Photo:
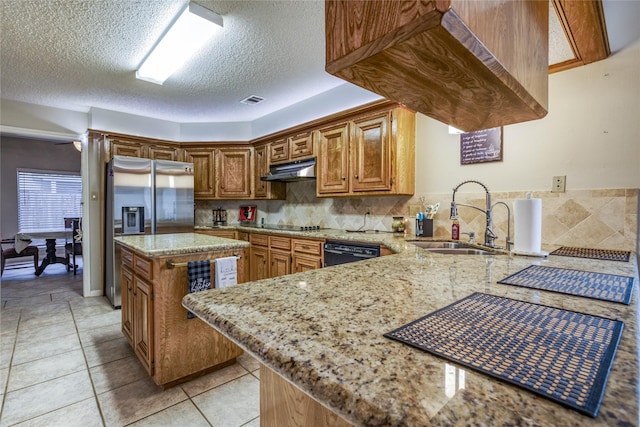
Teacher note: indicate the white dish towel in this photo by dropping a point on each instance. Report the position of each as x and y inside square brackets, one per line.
[226, 272]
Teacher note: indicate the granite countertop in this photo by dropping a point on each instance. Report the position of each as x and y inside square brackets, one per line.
[323, 330]
[156, 245]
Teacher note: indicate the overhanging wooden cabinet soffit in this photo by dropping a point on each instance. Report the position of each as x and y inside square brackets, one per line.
[470, 64]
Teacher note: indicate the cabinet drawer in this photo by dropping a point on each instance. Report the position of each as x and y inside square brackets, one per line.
[142, 267]
[227, 234]
[301, 145]
[126, 257]
[279, 151]
[277, 242]
[311, 247]
[259, 239]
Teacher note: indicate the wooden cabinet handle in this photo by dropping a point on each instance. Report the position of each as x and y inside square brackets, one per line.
[344, 178]
[356, 176]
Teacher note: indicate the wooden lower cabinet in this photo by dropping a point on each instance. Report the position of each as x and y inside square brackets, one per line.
[284, 404]
[275, 255]
[302, 263]
[227, 234]
[280, 263]
[127, 287]
[307, 254]
[143, 323]
[171, 347]
[259, 261]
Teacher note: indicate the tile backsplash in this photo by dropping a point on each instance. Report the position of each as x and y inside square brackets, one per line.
[599, 218]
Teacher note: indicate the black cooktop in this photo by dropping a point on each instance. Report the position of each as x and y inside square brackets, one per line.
[287, 227]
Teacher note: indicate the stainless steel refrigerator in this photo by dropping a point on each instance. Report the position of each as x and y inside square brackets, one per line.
[144, 197]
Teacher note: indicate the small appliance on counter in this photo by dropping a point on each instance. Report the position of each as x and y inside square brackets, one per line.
[219, 216]
[247, 214]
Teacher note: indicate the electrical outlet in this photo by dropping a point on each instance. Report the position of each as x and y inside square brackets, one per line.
[559, 184]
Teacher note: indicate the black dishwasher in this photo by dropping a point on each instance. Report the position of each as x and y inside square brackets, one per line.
[336, 253]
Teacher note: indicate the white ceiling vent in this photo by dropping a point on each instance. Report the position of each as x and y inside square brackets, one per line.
[252, 100]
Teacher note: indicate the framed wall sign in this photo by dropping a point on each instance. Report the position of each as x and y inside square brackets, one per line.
[481, 146]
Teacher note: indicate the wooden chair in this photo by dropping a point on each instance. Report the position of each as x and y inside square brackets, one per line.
[75, 246]
[7, 253]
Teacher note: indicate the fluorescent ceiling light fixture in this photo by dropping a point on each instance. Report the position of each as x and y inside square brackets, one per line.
[193, 28]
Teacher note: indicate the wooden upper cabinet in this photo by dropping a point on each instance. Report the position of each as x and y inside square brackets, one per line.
[123, 145]
[157, 152]
[260, 168]
[332, 166]
[301, 146]
[234, 180]
[371, 153]
[296, 147]
[125, 148]
[265, 189]
[279, 151]
[203, 171]
[470, 64]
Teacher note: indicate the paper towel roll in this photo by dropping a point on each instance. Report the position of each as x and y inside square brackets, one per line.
[528, 225]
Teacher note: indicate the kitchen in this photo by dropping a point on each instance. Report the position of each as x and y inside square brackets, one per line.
[585, 131]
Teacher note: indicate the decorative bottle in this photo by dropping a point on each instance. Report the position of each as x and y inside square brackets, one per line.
[455, 230]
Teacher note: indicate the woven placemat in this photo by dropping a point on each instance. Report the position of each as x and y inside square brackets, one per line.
[559, 354]
[603, 254]
[602, 286]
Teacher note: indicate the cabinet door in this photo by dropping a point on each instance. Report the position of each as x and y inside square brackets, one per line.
[305, 263]
[126, 282]
[143, 323]
[279, 151]
[261, 167]
[333, 160]
[371, 154]
[280, 263]
[119, 148]
[203, 172]
[259, 261]
[301, 146]
[234, 181]
[157, 152]
[265, 189]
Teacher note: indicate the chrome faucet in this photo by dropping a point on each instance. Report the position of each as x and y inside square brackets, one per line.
[489, 235]
[508, 240]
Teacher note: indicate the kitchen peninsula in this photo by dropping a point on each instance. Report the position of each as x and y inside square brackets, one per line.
[322, 330]
[170, 346]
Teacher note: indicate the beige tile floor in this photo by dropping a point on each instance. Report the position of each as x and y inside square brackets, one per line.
[65, 362]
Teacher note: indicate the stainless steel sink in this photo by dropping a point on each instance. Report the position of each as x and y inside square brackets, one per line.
[450, 248]
[459, 251]
[439, 245]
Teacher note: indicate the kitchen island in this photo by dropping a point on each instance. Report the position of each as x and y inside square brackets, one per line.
[171, 347]
[322, 331]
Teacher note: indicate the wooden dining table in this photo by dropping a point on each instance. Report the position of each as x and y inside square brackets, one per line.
[50, 236]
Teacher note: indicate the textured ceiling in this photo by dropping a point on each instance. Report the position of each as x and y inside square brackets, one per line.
[78, 54]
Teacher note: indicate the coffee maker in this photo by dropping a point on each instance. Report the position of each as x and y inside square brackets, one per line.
[219, 216]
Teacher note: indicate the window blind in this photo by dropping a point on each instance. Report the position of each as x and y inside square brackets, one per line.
[46, 198]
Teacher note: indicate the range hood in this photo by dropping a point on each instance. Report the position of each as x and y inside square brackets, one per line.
[294, 171]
